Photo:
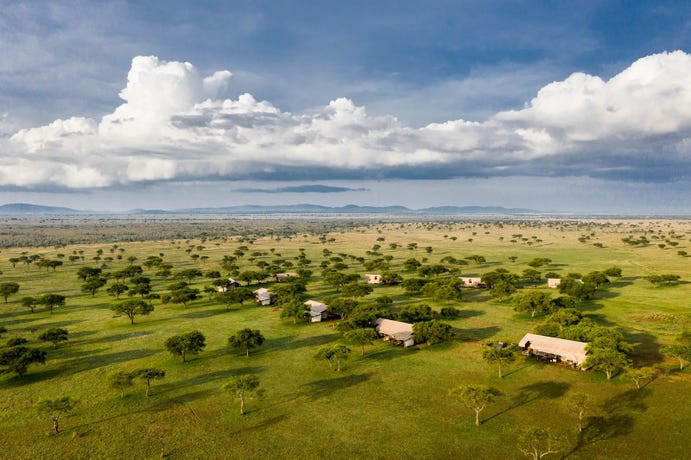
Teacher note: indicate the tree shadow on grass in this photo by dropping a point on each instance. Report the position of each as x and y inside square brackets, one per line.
[116, 337]
[589, 305]
[465, 314]
[601, 320]
[606, 294]
[533, 392]
[647, 349]
[326, 387]
[280, 343]
[476, 334]
[476, 295]
[220, 377]
[44, 326]
[261, 425]
[624, 281]
[628, 400]
[202, 313]
[602, 428]
[390, 351]
[91, 361]
[526, 364]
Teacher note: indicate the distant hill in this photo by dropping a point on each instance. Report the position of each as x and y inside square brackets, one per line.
[32, 209]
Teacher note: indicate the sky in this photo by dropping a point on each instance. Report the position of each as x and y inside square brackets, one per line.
[577, 107]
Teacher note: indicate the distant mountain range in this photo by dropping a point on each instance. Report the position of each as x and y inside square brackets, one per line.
[33, 209]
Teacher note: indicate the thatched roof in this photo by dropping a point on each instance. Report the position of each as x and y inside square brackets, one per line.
[568, 350]
[396, 329]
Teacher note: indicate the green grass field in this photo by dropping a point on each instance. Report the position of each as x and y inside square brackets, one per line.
[391, 402]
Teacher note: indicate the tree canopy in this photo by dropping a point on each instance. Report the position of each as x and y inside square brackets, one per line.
[475, 397]
[132, 307]
[56, 408]
[246, 339]
[55, 335]
[182, 345]
[244, 386]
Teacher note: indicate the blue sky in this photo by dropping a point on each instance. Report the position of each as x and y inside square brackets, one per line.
[570, 106]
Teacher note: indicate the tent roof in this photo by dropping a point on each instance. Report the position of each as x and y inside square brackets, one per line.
[316, 308]
[568, 349]
[396, 329]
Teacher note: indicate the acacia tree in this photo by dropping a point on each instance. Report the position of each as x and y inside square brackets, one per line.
[500, 355]
[18, 358]
[246, 339]
[680, 349]
[121, 381]
[56, 408]
[244, 386]
[578, 404]
[638, 374]
[294, 309]
[147, 375]
[8, 289]
[235, 295]
[334, 354]
[432, 332]
[362, 337]
[116, 289]
[533, 302]
[132, 308]
[182, 345]
[93, 284]
[475, 397]
[54, 335]
[502, 289]
[51, 301]
[29, 302]
[608, 360]
[539, 442]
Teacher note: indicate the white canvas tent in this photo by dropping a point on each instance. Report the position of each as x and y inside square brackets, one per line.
[554, 348]
[395, 331]
[317, 311]
[263, 296]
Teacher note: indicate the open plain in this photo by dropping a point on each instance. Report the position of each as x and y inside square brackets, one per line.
[391, 402]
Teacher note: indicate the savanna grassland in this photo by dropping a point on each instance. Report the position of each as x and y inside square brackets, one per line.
[389, 403]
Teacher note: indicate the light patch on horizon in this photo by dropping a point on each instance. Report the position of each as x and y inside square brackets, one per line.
[310, 188]
[172, 126]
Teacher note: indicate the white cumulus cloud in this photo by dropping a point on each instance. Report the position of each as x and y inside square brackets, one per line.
[173, 125]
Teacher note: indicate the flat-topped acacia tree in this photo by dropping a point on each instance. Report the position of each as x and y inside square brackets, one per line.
[186, 344]
[132, 307]
[50, 301]
[56, 408]
[246, 339]
[55, 335]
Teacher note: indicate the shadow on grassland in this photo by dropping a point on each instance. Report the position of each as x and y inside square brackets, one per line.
[646, 348]
[115, 337]
[533, 392]
[326, 387]
[218, 378]
[602, 428]
[465, 314]
[76, 365]
[261, 425]
[389, 351]
[40, 327]
[289, 343]
[198, 314]
[476, 334]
